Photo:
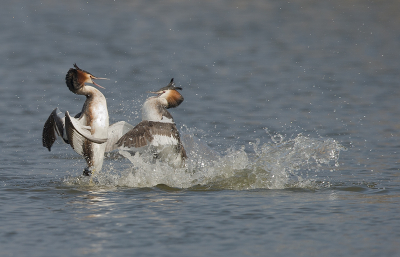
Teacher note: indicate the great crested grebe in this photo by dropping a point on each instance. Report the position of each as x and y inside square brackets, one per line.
[87, 131]
[157, 130]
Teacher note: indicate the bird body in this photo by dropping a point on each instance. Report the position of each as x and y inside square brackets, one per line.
[86, 132]
[157, 131]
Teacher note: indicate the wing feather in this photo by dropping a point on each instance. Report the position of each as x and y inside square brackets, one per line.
[137, 137]
[77, 133]
[53, 126]
[158, 134]
[115, 132]
[143, 134]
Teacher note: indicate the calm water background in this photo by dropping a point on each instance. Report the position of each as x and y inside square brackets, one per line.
[300, 99]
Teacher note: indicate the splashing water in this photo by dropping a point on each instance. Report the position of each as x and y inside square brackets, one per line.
[281, 163]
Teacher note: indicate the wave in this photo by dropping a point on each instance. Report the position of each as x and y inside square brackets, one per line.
[278, 164]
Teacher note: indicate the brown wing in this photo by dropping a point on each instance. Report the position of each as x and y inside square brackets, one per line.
[137, 137]
[142, 134]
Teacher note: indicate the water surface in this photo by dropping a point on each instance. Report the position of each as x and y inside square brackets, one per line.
[290, 120]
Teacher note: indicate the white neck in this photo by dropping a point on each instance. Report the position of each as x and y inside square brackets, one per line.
[152, 109]
[88, 91]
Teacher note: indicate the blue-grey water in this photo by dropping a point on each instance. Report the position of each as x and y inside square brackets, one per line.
[290, 119]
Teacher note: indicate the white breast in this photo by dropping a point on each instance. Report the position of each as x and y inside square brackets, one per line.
[99, 113]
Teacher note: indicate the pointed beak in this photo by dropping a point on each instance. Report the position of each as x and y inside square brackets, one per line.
[94, 83]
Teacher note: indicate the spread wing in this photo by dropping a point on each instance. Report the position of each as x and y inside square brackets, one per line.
[158, 134]
[144, 133]
[54, 125]
[137, 137]
[115, 132]
[77, 133]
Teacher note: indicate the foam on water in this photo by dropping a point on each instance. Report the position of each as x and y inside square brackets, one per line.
[298, 162]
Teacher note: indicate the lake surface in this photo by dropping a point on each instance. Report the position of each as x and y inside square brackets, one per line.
[290, 120]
